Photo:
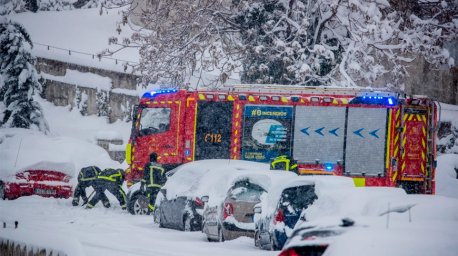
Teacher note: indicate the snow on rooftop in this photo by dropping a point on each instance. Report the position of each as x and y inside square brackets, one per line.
[82, 31]
[84, 79]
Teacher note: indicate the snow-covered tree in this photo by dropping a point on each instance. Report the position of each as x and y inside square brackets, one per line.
[311, 42]
[102, 100]
[20, 79]
[80, 101]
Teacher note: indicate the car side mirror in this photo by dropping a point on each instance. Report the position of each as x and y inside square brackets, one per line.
[204, 199]
[257, 210]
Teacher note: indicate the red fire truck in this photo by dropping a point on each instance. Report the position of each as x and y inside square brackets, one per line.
[379, 138]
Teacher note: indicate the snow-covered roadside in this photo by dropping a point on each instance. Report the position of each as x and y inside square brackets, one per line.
[108, 231]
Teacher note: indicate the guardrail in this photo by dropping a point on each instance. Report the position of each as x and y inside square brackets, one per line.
[13, 248]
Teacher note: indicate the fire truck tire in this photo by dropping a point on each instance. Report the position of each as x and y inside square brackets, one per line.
[138, 204]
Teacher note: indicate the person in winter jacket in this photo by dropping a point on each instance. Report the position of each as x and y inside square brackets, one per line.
[86, 178]
[111, 180]
[284, 163]
[153, 179]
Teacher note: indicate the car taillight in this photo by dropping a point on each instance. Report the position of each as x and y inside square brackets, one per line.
[228, 210]
[199, 202]
[279, 216]
[289, 252]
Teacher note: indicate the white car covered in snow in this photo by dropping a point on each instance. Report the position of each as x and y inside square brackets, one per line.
[233, 215]
[284, 206]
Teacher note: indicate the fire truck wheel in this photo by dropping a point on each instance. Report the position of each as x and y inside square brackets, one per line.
[138, 204]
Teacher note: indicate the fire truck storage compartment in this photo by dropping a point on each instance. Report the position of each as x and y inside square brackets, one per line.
[319, 134]
[413, 158]
[267, 132]
[366, 141]
[213, 130]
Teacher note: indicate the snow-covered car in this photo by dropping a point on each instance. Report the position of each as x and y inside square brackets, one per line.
[180, 203]
[234, 215]
[314, 239]
[45, 179]
[273, 223]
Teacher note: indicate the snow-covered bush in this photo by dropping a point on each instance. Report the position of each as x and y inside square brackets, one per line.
[19, 79]
[448, 142]
[80, 101]
[102, 98]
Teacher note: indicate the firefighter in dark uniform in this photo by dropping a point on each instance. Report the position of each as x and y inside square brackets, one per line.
[86, 178]
[284, 163]
[111, 180]
[153, 179]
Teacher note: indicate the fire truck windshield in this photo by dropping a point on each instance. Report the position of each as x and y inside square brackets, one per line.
[154, 120]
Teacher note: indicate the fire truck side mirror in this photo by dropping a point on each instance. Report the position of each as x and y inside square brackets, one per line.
[435, 163]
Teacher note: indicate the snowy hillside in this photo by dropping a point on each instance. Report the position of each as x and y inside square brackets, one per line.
[77, 36]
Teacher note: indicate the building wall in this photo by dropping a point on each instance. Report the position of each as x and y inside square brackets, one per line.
[65, 94]
[439, 84]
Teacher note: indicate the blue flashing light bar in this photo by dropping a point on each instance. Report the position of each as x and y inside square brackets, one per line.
[153, 94]
[375, 98]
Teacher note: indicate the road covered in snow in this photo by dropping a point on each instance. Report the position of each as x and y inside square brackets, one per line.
[56, 224]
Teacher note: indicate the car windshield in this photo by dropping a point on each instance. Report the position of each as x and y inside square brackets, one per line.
[154, 120]
[246, 191]
[297, 198]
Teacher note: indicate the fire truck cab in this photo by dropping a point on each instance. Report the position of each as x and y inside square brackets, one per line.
[377, 137]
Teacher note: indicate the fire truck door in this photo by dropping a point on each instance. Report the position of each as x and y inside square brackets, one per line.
[213, 130]
[413, 157]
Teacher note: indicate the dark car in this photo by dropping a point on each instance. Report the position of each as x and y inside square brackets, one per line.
[182, 213]
[313, 240]
[272, 226]
[234, 217]
[42, 179]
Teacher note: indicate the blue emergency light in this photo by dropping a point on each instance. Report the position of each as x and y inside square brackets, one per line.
[375, 98]
[328, 167]
[153, 94]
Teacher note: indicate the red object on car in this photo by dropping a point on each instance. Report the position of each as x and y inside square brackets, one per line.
[40, 181]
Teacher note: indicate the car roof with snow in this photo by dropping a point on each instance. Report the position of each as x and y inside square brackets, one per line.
[214, 177]
[68, 168]
[269, 203]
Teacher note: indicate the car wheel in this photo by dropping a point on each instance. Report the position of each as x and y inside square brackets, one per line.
[257, 239]
[272, 244]
[138, 204]
[2, 190]
[187, 223]
[157, 215]
[220, 235]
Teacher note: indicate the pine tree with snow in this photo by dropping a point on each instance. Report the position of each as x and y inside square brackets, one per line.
[20, 79]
